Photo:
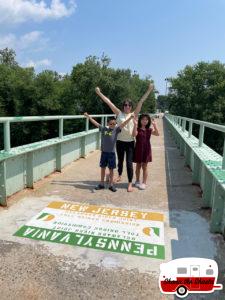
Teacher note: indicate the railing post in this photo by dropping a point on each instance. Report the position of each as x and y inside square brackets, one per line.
[61, 128]
[190, 129]
[30, 170]
[105, 121]
[201, 135]
[183, 125]
[87, 125]
[3, 193]
[7, 144]
[223, 162]
[180, 120]
[102, 121]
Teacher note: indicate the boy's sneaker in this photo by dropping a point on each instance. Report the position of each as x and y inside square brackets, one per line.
[99, 187]
[112, 188]
[137, 184]
[142, 186]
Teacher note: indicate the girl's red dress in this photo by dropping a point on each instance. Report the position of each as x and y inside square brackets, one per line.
[143, 150]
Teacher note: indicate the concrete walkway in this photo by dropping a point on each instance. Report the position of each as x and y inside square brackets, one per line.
[40, 270]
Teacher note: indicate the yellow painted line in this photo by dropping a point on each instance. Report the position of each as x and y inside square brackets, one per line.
[109, 211]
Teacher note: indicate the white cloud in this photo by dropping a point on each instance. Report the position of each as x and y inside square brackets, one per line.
[7, 41]
[39, 63]
[19, 11]
[29, 40]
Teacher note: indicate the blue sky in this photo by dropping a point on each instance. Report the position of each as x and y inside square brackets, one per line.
[156, 37]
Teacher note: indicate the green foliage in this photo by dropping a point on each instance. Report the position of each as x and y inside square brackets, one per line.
[23, 92]
[162, 103]
[7, 57]
[198, 92]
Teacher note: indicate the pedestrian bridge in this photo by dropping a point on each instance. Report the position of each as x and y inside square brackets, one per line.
[186, 186]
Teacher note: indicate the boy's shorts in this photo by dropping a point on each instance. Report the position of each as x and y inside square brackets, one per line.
[108, 159]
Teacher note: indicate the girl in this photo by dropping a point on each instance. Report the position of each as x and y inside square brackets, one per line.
[143, 152]
[125, 140]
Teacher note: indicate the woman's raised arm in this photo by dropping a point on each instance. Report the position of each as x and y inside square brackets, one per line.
[114, 109]
[143, 98]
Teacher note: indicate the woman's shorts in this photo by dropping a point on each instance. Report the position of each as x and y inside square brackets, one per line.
[108, 159]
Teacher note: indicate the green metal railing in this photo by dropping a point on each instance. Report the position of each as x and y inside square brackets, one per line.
[208, 166]
[8, 120]
[182, 121]
[21, 166]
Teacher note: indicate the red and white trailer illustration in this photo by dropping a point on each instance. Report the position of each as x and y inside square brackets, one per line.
[189, 275]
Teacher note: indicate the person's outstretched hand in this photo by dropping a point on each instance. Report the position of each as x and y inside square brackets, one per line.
[86, 114]
[97, 90]
[135, 120]
[153, 123]
[151, 87]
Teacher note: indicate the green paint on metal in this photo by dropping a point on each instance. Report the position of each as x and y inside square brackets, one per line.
[219, 174]
[208, 167]
[213, 163]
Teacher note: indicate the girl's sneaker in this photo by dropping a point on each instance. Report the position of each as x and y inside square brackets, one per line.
[137, 184]
[142, 186]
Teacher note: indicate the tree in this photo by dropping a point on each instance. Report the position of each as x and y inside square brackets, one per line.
[162, 103]
[23, 92]
[198, 92]
[8, 57]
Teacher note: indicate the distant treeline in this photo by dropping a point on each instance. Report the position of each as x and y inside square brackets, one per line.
[25, 93]
[198, 92]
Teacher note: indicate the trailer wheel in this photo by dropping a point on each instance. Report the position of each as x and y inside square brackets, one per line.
[181, 291]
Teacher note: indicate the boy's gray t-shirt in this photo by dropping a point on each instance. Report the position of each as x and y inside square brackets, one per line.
[109, 137]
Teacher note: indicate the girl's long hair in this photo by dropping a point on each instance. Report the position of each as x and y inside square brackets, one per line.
[144, 116]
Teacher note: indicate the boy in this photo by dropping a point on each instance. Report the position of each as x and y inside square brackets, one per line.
[108, 142]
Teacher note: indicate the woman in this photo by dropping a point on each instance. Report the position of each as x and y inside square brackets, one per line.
[125, 140]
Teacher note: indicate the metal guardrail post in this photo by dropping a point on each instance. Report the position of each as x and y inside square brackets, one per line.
[190, 129]
[183, 125]
[180, 123]
[223, 162]
[87, 125]
[105, 121]
[61, 128]
[201, 135]
[30, 170]
[7, 144]
[3, 194]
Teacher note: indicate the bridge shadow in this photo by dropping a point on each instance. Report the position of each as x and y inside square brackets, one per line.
[188, 217]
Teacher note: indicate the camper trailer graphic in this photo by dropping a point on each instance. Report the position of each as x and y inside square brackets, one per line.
[189, 275]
